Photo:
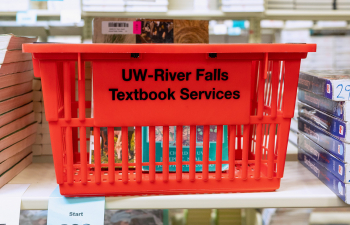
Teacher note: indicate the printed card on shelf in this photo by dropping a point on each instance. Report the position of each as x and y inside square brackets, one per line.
[63, 210]
[10, 203]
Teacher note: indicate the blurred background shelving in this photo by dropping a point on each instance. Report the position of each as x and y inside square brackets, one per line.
[324, 22]
[231, 21]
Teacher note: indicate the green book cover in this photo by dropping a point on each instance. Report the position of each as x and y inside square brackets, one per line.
[185, 147]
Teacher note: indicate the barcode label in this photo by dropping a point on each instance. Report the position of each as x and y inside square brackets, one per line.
[111, 24]
[117, 27]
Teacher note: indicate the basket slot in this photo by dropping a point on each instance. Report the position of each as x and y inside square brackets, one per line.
[125, 154]
[275, 78]
[266, 131]
[111, 162]
[281, 86]
[51, 83]
[270, 154]
[205, 168]
[179, 130]
[192, 153]
[268, 86]
[69, 152]
[67, 91]
[219, 152]
[165, 153]
[232, 151]
[283, 132]
[258, 150]
[83, 155]
[245, 152]
[152, 153]
[261, 87]
[138, 149]
[97, 155]
[81, 88]
[239, 136]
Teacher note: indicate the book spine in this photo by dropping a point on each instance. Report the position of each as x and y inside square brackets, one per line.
[333, 108]
[323, 157]
[324, 139]
[331, 181]
[316, 85]
[329, 123]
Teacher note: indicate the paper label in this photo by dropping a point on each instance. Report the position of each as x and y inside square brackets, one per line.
[137, 27]
[29, 17]
[80, 211]
[10, 203]
[70, 16]
[118, 27]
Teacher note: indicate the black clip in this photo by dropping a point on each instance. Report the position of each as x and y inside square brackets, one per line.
[213, 55]
[135, 55]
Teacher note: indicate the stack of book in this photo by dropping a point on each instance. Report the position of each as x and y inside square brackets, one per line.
[103, 5]
[228, 217]
[37, 102]
[324, 132]
[146, 6]
[343, 4]
[280, 4]
[310, 5]
[242, 6]
[198, 216]
[17, 119]
[293, 133]
[42, 144]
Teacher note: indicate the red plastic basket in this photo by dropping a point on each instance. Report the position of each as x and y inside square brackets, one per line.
[265, 76]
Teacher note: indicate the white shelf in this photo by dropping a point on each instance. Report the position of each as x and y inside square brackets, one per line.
[177, 14]
[39, 12]
[212, 14]
[299, 188]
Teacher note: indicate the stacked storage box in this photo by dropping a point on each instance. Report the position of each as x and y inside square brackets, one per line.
[17, 119]
[37, 103]
[310, 5]
[42, 145]
[324, 139]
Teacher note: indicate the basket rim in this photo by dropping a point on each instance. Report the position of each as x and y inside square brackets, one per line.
[167, 48]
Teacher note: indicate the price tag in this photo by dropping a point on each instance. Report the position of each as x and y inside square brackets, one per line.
[340, 89]
[10, 203]
[75, 211]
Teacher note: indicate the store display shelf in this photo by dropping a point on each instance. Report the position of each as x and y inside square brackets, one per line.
[299, 188]
[211, 14]
[39, 12]
[307, 14]
[177, 14]
[173, 14]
